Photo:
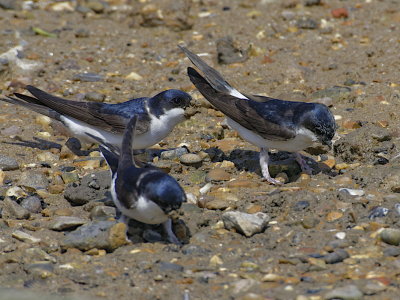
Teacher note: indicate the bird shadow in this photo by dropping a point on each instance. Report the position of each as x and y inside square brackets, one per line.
[73, 144]
[249, 160]
[38, 143]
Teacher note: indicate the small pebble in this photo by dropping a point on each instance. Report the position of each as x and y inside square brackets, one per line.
[391, 236]
[378, 212]
[65, 222]
[348, 292]
[25, 237]
[88, 77]
[218, 174]
[82, 33]
[247, 224]
[12, 210]
[340, 13]
[306, 23]
[173, 154]
[8, 163]
[190, 159]
[32, 203]
[337, 256]
[340, 235]
[391, 251]
[352, 192]
[95, 97]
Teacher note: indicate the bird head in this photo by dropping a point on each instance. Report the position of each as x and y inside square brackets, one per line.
[321, 122]
[165, 191]
[169, 100]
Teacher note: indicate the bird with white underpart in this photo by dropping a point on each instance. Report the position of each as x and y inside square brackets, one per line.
[146, 194]
[263, 121]
[157, 115]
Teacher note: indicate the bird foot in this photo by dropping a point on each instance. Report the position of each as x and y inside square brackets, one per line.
[170, 234]
[272, 180]
[264, 158]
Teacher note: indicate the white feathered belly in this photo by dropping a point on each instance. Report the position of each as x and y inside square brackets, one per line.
[145, 211]
[159, 129]
[304, 138]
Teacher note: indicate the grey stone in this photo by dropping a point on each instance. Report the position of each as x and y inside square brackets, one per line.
[96, 234]
[337, 256]
[12, 210]
[82, 33]
[33, 180]
[306, 23]
[336, 93]
[10, 4]
[391, 251]
[25, 237]
[172, 154]
[10, 131]
[167, 266]
[8, 163]
[35, 255]
[378, 212]
[88, 77]
[32, 203]
[92, 187]
[191, 159]
[348, 292]
[66, 222]
[102, 212]
[95, 97]
[391, 236]
[39, 270]
[247, 224]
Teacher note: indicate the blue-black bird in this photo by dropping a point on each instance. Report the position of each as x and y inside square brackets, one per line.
[147, 195]
[263, 121]
[157, 115]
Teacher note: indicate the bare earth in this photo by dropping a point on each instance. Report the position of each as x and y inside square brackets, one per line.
[332, 235]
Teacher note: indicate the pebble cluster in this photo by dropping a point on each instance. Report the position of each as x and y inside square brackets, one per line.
[331, 235]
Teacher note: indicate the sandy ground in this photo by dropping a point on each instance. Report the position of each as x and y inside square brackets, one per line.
[333, 234]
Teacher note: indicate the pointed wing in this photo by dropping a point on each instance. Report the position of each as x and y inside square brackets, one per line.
[264, 119]
[92, 113]
[111, 158]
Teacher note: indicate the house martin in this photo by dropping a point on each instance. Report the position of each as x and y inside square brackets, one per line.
[147, 195]
[263, 121]
[157, 115]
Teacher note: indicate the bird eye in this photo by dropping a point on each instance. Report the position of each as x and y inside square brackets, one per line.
[177, 101]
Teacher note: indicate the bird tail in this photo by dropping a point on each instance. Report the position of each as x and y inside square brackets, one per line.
[126, 156]
[110, 157]
[212, 76]
[32, 104]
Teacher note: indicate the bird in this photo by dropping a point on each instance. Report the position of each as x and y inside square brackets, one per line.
[146, 194]
[263, 121]
[157, 115]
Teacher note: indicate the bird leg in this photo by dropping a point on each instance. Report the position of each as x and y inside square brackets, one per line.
[264, 159]
[167, 225]
[303, 164]
[124, 219]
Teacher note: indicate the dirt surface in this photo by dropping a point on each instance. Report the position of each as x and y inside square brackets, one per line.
[332, 235]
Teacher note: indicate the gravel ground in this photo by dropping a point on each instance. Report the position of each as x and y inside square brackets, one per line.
[332, 235]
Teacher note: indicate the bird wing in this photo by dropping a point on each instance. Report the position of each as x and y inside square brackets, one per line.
[255, 116]
[92, 113]
[214, 78]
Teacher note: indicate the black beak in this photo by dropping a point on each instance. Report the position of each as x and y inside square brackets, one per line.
[328, 143]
